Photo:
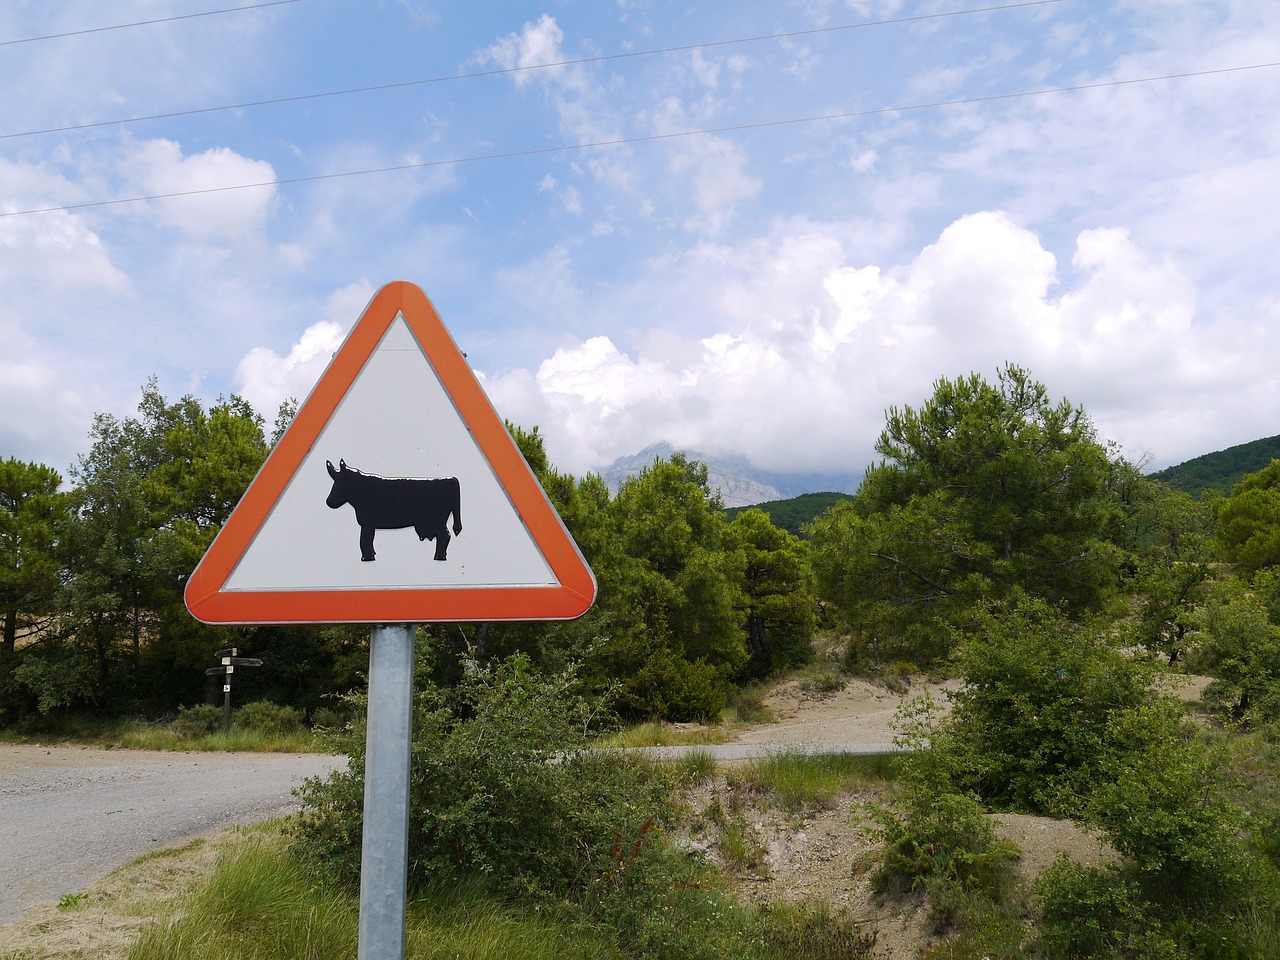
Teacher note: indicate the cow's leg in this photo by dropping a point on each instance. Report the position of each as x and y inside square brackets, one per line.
[442, 544]
[366, 543]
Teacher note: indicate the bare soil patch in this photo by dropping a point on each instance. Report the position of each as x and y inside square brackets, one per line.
[29, 756]
[857, 712]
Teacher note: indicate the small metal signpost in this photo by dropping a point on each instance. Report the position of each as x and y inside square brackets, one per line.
[229, 663]
[398, 396]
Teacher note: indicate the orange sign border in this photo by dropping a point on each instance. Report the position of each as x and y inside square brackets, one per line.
[576, 585]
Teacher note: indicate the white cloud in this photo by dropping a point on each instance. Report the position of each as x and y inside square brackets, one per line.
[56, 247]
[578, 95]
[820, 347]
[537, 44]
[571, 200]
[41, 414]
[719, 181]
[266, 379]
[864, 161]
[707, 72]
[158, 167]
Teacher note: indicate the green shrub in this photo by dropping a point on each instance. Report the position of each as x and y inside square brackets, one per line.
[1237, 641]
[1099, 912]
[944, 837]
[1164, 803]
[938, 838]
[823, 681]
[670, 687]
[697, 692]
[197, 721]
[1190, 882]
[269, 718]
[502, 789]
[1031, 728]
[329, 718]
[899, 675]
[747, 706]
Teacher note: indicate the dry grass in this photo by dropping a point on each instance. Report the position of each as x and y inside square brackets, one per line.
[103, 922]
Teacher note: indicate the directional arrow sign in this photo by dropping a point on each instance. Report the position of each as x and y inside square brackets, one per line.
[229, 652]
[395, 496]
[246, 662]
[215, 671]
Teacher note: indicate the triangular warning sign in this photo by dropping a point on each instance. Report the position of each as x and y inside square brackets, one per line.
[395, 496]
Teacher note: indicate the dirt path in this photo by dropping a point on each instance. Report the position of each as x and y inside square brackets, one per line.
[859, 712]
[71, 815]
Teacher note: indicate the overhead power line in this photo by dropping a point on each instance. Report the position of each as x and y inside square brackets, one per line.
[648, 138]
[146, 23]
[580, 61]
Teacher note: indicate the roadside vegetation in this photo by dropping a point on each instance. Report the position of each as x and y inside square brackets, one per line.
[997, 541]
[259, 727]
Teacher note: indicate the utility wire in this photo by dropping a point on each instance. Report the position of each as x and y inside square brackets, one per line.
[649, 138]
[521, 69]
[146, 23]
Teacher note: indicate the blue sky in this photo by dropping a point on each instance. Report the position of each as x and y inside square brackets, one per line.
[727, 274]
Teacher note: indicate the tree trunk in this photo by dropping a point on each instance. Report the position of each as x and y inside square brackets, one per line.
[759, 640]
[10, 632]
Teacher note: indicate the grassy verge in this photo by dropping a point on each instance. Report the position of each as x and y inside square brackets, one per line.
[241, 895]
[800, 780]
[138, 735]
[135, 734]
[259, 902]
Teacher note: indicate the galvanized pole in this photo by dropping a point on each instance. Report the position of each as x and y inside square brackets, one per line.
[384, 862]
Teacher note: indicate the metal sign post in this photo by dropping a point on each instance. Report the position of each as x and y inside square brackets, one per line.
[384, 857]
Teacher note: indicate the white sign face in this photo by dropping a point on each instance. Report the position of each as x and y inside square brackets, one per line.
[397, 495]
[399, 423]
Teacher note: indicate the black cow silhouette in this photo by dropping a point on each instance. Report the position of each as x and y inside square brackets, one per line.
[393, 503]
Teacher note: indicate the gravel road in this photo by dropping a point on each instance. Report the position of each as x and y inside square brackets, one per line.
[71, 815]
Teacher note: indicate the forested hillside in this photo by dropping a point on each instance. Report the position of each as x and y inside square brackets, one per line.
[795, 513]
[1222, 470]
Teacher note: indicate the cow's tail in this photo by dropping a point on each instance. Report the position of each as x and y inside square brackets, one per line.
[456, 506]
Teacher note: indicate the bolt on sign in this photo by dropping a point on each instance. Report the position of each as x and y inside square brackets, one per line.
[396, 496]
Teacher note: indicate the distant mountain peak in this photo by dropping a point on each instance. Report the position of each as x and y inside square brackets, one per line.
[740, 483]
